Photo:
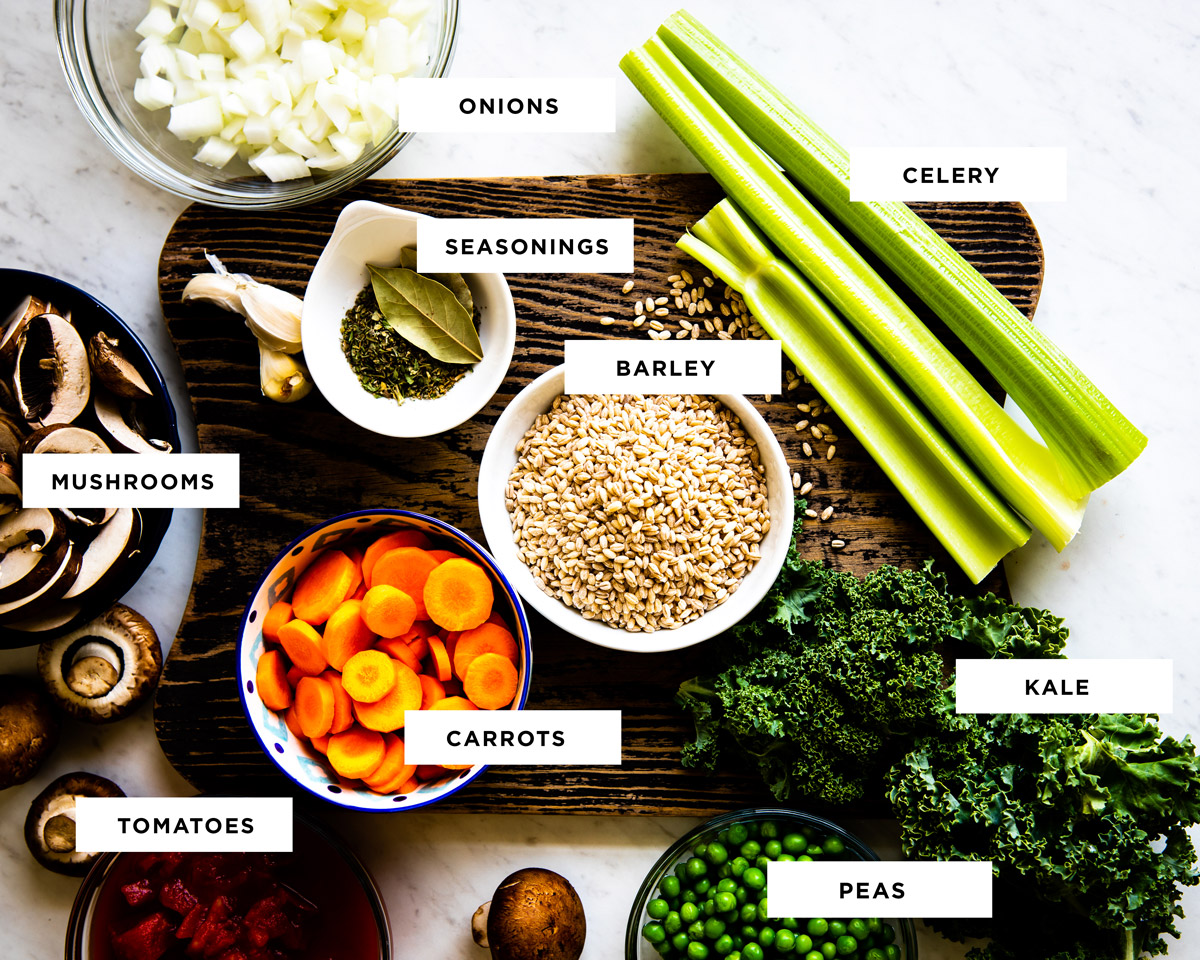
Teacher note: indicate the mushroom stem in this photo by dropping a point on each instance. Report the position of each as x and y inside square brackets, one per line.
[479, 925]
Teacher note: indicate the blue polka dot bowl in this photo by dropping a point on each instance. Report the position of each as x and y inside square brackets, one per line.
[295, 757]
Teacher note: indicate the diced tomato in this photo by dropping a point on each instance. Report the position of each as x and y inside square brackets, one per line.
[148, 940]
[138, 892]
[175, 896]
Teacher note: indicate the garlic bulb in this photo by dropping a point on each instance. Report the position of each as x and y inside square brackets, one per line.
[283, 378]
[273, 315]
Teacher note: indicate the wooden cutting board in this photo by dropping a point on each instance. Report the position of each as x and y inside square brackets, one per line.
[303, 463]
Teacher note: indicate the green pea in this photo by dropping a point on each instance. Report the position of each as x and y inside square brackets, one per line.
[654, 932]
[814, 851]
[803, 943]
[717, 853]
[846, 945]
[696, 868]
[724, 945]
[736, 955]
[669, 887]
[657, 909]
[804, 859]
[748, 912]
[876, 954]
[814, 955]
[817, 927]
[725, 901]
[837, 928]
[673, 922]
[887, 934]
[738, 941]
[700, 849]
[858, 929]
[688, 896]
[790, 923]
[664, 948]
[766, 937]
[738, 865]
[772, 848]
[750, 849]
[738, 834]
[688, 912]
[785, 858]
[829, 949]
[697, 951]
[749, 932]
[696, 930]
[752, 951]
[794, 843]
[834, 845]
[702, 886]
[723, 870]
[727, 885]
[754, 879]
[808, 831]
[741, 894]
[875, 925]
[680, 941]
[785, 941]
[713, 928]
[892, 951]
[762, 909]
[769, 830]
[761, 862]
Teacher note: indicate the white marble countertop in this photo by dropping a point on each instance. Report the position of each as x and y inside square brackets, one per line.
[1111, 82]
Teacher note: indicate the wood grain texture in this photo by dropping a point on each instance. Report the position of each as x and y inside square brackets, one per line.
[304, 463]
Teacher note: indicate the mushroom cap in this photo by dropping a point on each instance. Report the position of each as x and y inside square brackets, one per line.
[28, 729]
[50, 823]
[83, 687]
[52, 379]
[536, 915]
[113, 370]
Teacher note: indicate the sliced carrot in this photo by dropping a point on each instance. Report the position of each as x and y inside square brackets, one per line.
[431, 691]
[290, 721]
[397, 649]
[346, 634]
[409, 786]
[356, 555]
[388, 714]
[388, 611]
[428, 772]
[491, 681]
[279, 614]
[441, 659]
[393, 768]
[356, 753]
[458, 766]
[401, 538]
[270, 678]
[485, 638]
[343, 706]
[458, 595]
[329, 580]
[369, 676]
[302, 644]
[359, 593]
[418, 638]
[441, 556]
[497, 619]
[320, 744]
[454, 703]
[293, 676]
[407, 569]
[314, 706]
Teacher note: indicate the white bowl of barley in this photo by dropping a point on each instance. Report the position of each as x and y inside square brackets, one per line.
[580, 607]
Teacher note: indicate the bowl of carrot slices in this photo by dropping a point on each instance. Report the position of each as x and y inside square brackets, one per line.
[359, 620]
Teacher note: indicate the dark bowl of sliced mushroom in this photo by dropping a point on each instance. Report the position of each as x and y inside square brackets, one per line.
[74, 378]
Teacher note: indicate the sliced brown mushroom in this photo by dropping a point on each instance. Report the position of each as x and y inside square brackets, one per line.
[28, 729]
[50, 823]
[11, 434]
[52, 380]
[55, 618]
[114, 371]
[25, 311]
[35, 603]
[64, 438]
[108, 553]
[10, 490]
[33, 544]
[115, 417]
[105, 669]
[535, 914]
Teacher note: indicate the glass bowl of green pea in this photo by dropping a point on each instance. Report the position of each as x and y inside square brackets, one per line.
[706, 897]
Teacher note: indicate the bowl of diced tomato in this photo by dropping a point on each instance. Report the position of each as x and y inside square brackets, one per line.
[360, 620]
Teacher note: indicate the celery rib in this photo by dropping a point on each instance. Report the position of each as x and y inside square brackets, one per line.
[964, 513]
[1020, 469]
[1090, 439]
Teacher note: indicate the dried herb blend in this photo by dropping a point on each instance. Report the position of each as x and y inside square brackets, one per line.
[386, 364]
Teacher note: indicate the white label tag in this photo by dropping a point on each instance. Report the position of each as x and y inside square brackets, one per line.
[673, 366]
[523, 738]
[1064, 686]
[958, 173]
[509, 105]
[184, 824]
[524, 245]
[879, 888]
[78, 480]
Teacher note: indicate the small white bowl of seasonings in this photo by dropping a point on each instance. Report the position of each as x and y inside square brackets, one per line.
[641, 523]
[395, 351]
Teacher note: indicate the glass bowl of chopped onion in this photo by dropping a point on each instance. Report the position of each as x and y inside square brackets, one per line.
[275, 104]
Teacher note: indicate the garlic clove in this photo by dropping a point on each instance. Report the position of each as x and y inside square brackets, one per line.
[283, 378]
[273, 315]
[223, 289]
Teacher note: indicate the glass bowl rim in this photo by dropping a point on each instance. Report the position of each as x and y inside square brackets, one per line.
[906, 931]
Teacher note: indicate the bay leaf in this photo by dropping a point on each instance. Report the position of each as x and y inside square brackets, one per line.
[426, 314]
[452, 281]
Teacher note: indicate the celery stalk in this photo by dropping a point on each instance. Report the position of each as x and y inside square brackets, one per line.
[1089, 437]
[1020, 469]
[964, 513]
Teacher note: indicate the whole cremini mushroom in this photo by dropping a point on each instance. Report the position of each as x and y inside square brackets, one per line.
[534, 914]
[28, 730]
[50, 823]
